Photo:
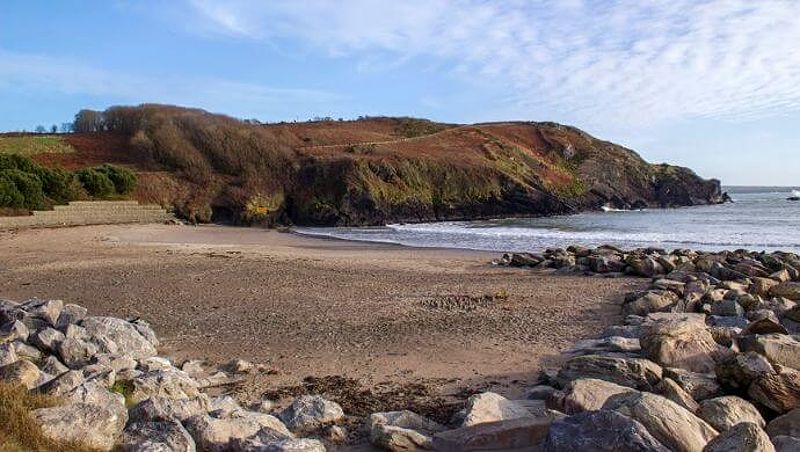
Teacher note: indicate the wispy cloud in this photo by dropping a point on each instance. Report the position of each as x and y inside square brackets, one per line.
[626, 61]
[44, 73]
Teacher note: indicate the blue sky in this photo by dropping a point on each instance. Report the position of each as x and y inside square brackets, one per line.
[713, 85]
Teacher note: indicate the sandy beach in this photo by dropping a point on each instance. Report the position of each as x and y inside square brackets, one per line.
[378, 314]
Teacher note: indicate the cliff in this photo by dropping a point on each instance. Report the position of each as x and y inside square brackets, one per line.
[375, 170]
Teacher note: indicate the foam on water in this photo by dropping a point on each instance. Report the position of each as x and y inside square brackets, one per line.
[759, 219]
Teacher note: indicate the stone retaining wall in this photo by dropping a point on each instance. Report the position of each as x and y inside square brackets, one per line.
[79, 213]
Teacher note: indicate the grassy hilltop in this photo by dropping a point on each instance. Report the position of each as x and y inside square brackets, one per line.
[362, 172]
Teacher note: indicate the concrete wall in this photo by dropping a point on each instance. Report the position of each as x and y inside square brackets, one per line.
[90, 212]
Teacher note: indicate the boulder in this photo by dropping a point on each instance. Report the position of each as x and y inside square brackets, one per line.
[785, 425]
[590, 394]
[92, 393]
[52, 366]
[724, 412]
[762, 286]
[8, 354]
[790, 290]
[644, 266]
[672, 425]
[126, 335]
[608, 345]
[76, 353]
[737, 371]
[651, 301]
[162, 408]
[46, 310]
[730, 308]
[213, 434]
[47, 339]
[539, 392]
[778, 391]
[513, 434]
[25, 351]
[786, 444]
[632, 372]
[602, 430]
[62, 384]
[764, 325]
[402, 430]
[310, 412]
[280, 445]
[743, 437]
[21, 372]
[169, 384]
[14, 330]
[70, 314]
[673, 391]
[699, 386]
[492, 407]
[680, 340]
[777, 348]
[92, 425]
[170, 434]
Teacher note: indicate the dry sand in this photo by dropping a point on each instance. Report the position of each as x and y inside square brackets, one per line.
[313, 307]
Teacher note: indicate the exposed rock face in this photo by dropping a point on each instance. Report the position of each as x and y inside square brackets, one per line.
[168, 434]
[601, 430]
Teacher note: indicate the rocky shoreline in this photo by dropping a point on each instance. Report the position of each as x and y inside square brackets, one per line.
[707, 359]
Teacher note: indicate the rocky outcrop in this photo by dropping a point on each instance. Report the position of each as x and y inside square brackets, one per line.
[718, 326]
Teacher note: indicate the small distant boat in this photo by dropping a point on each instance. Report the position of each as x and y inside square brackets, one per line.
[795, 196]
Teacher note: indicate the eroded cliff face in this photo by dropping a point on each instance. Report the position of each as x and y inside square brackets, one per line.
[379, 170]
[488, 171]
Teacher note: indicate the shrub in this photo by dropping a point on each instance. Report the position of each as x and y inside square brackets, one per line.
[124, 180]
[10, 196]
[28, 185]
[57, 184]
[96, 183]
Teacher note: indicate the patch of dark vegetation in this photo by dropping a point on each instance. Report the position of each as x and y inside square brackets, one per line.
[26, 185]
[356, 400]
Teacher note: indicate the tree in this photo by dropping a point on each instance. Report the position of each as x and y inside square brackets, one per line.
[40, 129]
[66, 127]
[88, 121]
[53, 128]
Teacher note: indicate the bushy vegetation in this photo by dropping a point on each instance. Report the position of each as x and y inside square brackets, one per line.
[26, 185]
[413, 127]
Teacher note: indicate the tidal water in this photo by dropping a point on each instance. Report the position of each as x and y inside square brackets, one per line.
[760, 218]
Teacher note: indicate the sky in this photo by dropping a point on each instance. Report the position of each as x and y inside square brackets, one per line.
[709, 84]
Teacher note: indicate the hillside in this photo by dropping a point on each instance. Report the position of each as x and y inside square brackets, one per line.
[369, 171]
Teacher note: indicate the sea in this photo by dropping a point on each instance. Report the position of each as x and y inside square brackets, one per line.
[759, 218]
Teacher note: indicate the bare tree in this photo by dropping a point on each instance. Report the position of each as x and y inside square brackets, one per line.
[40, 129]
[88, 121]
[53, 128]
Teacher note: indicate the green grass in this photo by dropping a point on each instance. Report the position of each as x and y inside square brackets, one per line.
[34, 144]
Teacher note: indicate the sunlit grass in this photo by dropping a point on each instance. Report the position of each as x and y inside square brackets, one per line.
[34, 144]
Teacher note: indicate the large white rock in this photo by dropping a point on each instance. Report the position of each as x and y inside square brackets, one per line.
[92, 425]
[492, 407]
[126, 335]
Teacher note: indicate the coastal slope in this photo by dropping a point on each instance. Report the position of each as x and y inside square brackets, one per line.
[373, 170]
